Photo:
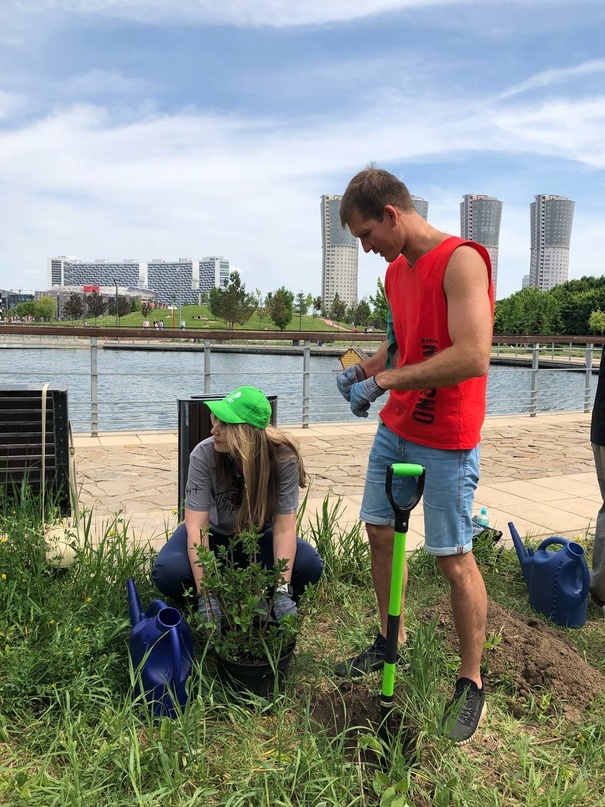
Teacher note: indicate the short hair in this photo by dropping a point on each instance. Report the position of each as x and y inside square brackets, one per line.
[368, 193]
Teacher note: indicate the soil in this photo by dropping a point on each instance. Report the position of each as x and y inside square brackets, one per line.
[528, 657]
[532, 656]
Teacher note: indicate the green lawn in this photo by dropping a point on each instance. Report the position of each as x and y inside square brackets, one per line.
[71, 733]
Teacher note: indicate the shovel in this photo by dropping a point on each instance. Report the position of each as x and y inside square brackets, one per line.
[402, 518]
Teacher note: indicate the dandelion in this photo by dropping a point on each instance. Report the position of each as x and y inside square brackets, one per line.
[51, 622]
[89, 599]
[3, 576]
[78, 630]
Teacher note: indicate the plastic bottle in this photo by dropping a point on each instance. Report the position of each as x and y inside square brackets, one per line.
[483, 518]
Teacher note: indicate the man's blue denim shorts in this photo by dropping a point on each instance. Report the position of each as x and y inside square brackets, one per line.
[449, 488]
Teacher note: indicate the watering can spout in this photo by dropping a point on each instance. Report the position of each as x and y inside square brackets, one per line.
[134, 603]
[523, 553]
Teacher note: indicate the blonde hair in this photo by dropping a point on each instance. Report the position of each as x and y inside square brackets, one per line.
[258, 454]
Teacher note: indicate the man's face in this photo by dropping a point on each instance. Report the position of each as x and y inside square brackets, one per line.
[380, 237]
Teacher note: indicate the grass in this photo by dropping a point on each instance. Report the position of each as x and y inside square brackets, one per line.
[73, 733]
[188, 312]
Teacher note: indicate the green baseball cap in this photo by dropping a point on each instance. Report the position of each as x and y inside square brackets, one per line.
[243, 405]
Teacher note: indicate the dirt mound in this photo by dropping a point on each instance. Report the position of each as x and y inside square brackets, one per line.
[532, 656]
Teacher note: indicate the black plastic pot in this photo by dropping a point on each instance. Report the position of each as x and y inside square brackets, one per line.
[256, 677]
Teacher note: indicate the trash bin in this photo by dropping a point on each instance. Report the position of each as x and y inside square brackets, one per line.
[193, 427]
[34, 443]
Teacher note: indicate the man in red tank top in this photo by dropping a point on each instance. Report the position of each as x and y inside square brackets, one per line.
[440, 296]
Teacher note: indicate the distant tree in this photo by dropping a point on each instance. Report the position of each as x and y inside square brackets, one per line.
[260, 310]
[279, 307]
[338, 309]
[232, 303]
[596, 322]
[146, 308]
[301, 307]
[26, 309]
[380, 307]
[95, 305]
[362, 313]
[46, 308]
[317, 305]
[124, 306]
[74, 307]
[135, 305]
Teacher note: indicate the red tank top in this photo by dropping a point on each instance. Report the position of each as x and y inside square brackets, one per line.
[448, 417]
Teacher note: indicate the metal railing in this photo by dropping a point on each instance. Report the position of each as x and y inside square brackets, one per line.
[531, 392]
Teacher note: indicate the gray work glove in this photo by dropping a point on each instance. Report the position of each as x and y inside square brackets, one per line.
[210, 611]
[284, 605]
[348, 377]
[363, 394]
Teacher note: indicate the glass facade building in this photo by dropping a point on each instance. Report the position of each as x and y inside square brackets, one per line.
[340, 255]
[551, 220]
[480, 218]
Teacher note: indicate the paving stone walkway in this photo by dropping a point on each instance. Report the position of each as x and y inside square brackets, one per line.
[537, 472]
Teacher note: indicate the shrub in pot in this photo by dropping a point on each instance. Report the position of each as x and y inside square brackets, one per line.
[251, 647]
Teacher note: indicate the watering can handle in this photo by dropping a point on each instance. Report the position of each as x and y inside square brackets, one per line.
[175, 641]
[554, 539]
[154, 607]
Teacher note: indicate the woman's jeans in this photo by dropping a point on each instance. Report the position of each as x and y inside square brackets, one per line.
[172, 571]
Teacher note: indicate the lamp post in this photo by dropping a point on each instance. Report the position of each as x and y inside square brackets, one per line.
[117, 315]
[178, 281]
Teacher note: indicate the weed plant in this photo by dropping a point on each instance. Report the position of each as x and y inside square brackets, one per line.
[73, 734]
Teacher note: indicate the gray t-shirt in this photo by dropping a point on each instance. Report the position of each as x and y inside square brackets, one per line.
[222, 501]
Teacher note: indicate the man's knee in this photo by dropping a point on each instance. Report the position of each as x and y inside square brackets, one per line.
[380, 536]
[457, 568]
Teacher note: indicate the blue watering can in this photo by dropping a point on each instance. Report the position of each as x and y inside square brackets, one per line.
[161, 650]
[557, 582]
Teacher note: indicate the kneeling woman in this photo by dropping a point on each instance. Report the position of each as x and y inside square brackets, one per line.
[246, 475]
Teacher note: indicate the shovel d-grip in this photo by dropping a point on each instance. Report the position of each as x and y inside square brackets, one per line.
[402, 519]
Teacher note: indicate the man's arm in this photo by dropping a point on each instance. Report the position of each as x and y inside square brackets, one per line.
[470, 327]
[376, 362]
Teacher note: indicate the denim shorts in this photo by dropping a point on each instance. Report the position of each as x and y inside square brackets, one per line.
[449, 488]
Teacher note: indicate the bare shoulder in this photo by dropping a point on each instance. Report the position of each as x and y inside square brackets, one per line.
[466, 266]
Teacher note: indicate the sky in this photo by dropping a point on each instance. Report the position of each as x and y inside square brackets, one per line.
[188, 128]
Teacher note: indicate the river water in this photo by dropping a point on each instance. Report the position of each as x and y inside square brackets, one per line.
[140, 389]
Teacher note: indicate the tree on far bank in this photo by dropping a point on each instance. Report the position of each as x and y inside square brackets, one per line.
[46, 309]
[74, 307]
[318, 304]
[232, 303]
[338, 309]
[596, 322]
[380, 307]
[95, 305]
[279, 307]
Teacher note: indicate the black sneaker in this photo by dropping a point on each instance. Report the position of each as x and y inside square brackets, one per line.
[462, 727]
[371, 659]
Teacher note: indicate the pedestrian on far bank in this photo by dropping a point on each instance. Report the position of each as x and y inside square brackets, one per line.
[440, 294]
[145, 323]
[597, 440]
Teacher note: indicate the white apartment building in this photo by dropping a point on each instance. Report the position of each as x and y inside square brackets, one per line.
[551, 222]
[480, 218]
[340, 255]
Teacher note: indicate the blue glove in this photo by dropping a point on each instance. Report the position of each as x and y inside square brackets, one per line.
[348, 377]
[363, 394]
[284, 605]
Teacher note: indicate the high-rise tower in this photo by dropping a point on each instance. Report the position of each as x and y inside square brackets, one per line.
[422, 206]
[551, 222]
[480, 218]
[340, 255]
